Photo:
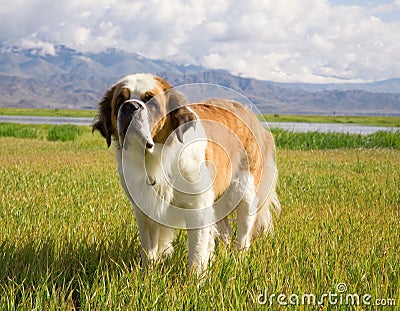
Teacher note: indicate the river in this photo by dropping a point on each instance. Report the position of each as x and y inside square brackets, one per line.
[289, 126]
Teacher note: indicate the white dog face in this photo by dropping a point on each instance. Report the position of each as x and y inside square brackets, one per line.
[150, 102]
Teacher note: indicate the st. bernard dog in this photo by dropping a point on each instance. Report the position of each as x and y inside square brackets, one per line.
[189, 165]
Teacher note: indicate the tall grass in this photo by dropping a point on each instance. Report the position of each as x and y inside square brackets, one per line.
[284, 139]
[64, 133]
[68, 239]
[17, 130]
[317, 140]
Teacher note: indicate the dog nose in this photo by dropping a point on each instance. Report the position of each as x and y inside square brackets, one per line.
[125, 114]
[130, 106]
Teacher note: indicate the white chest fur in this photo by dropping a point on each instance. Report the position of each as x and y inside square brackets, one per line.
[172, 185]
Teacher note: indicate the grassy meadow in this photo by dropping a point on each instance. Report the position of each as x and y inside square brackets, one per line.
[68, 239]
[44, 112]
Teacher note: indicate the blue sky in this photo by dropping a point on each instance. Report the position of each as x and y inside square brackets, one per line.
[286, 40]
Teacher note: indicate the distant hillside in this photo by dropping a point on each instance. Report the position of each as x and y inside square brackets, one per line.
[71, 79]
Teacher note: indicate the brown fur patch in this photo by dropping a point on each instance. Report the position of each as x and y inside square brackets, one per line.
[256, 141]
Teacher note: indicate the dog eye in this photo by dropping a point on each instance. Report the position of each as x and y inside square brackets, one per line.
[147, 96]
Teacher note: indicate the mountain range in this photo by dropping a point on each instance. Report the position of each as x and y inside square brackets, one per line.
[69, 79]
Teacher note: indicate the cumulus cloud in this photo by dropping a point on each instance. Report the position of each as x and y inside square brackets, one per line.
[288, 40]
[41, 47]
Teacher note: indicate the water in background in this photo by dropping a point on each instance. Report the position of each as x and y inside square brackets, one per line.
[289, 126]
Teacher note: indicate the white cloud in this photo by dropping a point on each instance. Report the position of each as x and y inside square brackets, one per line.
[37, 46]
[287, 40]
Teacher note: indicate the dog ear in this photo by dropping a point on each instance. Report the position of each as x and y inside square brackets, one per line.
[102, 122]
[181, 115]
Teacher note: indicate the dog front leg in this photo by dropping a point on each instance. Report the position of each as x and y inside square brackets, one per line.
[149, 232]
[201, 246]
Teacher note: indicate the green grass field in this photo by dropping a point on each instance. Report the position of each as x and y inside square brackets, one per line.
[43, 112]
[68, 239]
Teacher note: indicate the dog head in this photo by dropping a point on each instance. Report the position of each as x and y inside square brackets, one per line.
[149, 104]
